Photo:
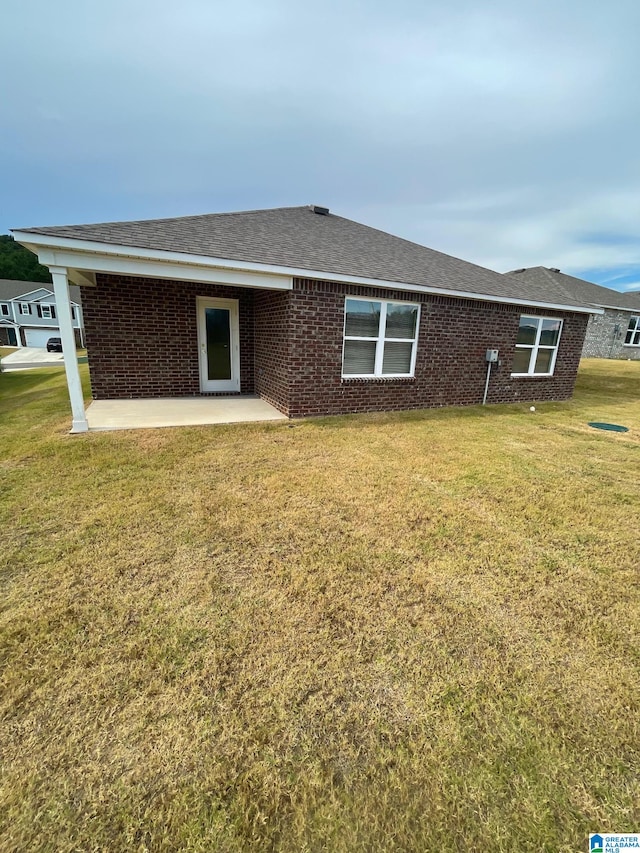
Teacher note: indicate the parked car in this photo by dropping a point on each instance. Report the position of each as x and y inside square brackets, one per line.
[54, 345]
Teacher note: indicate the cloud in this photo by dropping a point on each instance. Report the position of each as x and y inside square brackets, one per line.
[503, 133]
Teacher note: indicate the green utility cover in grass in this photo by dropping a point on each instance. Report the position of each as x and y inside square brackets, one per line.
[612, 427]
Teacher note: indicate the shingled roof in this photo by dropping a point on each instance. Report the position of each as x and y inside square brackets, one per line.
[543, 278]
[302, 238]
[10, 289]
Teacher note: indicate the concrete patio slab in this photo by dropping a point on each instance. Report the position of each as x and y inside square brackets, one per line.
[178, 411]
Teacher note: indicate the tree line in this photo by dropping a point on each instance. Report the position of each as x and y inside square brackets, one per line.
[20, 264]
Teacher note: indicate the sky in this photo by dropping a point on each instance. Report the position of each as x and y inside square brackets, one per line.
[505, 133]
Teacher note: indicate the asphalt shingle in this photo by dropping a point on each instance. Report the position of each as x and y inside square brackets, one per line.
[296, 237]
[10, 289]
[552, 280]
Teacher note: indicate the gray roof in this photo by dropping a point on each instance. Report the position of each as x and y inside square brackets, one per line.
[553, 280]
[300, 238]
[10, 289]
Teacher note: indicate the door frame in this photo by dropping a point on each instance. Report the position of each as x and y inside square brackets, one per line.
[213, 386]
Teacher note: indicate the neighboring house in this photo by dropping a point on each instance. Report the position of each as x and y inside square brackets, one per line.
[613, 334]
[28, 315]
[315, 313]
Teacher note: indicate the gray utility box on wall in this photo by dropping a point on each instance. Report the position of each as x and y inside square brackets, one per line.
[492, 356]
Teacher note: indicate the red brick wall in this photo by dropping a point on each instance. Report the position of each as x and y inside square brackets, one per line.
[450, 364]
[272, 347]
[142, 340]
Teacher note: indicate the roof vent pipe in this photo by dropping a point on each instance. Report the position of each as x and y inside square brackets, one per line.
[553, 269]
[321, 211]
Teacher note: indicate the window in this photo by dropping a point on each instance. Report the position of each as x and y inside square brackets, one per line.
[25, 308]
[633, 333]
[73, 312]
[4, 309]
[536, 346]
[379, 338]
[47, 312]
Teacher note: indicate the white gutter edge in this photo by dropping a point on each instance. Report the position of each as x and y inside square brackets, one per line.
[635, 310]
[30, 240]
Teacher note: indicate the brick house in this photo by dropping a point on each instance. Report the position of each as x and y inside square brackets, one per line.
[613, 334]
[314, 313]
[28, 316]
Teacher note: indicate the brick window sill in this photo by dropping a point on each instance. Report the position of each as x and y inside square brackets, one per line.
[532, 378]
[378, 380]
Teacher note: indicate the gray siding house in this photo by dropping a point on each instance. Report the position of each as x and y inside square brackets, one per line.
[28, 314]
[613, 334]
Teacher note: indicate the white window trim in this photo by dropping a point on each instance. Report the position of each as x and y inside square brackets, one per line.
[378, 374]
[536, 346]
[633, 331]
[4, 309]
[44, 308]
[25, 308]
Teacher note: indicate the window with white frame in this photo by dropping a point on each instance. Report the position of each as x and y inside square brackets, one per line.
[633, 333]
[25, 308]
[4, 309]
[380, 338]
[47, 312]
[536, 346]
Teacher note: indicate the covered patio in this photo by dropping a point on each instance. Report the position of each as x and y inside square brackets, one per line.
[178, 411]
[159, 322]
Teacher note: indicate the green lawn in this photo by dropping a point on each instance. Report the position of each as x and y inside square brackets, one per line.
[401, 632]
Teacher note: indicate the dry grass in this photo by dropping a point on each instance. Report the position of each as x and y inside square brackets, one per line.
[394, 632]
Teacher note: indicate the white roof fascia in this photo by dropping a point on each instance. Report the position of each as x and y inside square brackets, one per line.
[112, 264]
[83, 249]
[51, 297]
[101, 257]
[87, 255]
[620, 308]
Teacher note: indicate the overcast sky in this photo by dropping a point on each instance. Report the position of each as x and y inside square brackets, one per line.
[506, 133]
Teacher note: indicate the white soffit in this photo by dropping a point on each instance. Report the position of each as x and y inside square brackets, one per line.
[84, 259]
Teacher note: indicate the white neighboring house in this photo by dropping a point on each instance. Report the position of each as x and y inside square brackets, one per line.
[28, 316]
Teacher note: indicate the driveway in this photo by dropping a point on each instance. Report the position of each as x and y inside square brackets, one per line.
[27, 357]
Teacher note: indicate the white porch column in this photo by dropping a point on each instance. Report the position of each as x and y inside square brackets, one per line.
[63, 309]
